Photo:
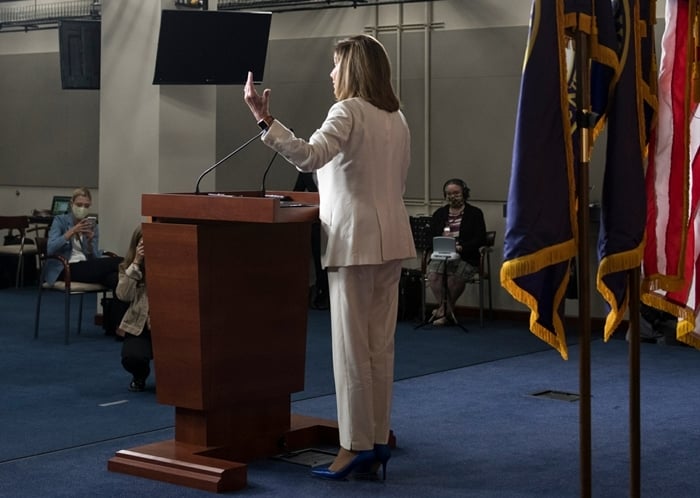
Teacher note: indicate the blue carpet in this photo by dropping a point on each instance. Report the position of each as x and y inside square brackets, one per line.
[479, 431]
[63, 396]
[419, 351]
[470, 432]
[464, 415]
[83, 387]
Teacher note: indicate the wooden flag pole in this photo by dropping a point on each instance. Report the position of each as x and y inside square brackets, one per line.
[584, 123]
[634, 387]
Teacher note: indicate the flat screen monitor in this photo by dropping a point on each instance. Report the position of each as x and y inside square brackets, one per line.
[60, 204]
[205, 47]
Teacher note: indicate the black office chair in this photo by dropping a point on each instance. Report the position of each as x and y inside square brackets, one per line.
[483, 276]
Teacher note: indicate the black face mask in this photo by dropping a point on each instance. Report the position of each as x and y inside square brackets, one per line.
[455, 201]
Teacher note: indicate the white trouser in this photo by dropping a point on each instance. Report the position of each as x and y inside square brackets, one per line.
[364, 301]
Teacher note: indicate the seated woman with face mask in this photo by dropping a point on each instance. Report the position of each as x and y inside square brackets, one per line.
[465, 222]
[75, 236]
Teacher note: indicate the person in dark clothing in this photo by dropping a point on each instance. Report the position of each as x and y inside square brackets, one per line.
[137, 351]
[465, 222]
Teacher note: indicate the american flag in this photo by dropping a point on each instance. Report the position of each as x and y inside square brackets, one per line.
[671, 258]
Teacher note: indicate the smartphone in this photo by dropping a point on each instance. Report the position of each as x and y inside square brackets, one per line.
[92, 220]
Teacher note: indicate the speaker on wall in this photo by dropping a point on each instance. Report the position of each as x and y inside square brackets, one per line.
[79, 48]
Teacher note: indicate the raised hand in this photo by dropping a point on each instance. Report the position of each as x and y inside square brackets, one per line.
[138, 257]
[259, 104]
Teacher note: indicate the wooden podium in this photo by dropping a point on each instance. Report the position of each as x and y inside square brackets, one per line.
[227, 286]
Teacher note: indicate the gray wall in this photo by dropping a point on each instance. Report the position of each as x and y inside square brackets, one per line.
[50, 135]
[474, 89]
[158, 139]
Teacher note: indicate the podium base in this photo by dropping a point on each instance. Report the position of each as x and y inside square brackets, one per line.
[194, 466]
[181, 464]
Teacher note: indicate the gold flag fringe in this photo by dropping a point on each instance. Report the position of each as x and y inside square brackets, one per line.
[685, 328]
[615, 263]
[532, 263]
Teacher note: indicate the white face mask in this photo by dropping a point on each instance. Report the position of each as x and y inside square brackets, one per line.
[80, 212]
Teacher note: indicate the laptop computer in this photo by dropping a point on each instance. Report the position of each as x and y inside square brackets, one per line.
[445, 248]
[60, 204]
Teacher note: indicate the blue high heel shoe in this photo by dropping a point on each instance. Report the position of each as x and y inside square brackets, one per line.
[382, 454]
[361, 459]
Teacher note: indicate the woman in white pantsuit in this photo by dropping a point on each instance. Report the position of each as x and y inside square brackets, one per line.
[362, 154]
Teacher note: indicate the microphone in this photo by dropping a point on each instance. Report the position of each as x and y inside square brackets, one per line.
[213, 166]
[262, 186]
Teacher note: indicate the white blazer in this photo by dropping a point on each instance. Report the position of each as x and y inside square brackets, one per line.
[362, 154]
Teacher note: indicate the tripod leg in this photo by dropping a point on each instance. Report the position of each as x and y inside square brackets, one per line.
[426, 320]
[445, 298]
[445, 305]
[447, 301]
[439, 313]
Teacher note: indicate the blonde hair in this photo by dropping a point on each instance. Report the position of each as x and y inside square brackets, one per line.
[364, 71]
[81, 191]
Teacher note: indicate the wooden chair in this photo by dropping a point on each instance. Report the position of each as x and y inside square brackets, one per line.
[68, 287]
[23, 247]
[482, 278]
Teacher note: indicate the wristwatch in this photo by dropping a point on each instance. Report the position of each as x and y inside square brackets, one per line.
[265, 122]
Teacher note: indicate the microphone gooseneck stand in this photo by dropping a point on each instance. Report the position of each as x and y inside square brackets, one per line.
[262, 185]
[213, 166]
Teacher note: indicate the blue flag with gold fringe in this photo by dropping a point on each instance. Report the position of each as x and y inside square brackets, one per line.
[623, 203]
[541, 223]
